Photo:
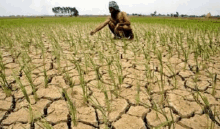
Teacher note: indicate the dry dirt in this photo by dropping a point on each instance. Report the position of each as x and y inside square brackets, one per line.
[177, 105]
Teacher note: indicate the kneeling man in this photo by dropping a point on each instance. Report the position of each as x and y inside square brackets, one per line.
[118, 23]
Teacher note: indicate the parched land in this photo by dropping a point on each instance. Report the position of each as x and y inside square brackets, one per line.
[58, 76]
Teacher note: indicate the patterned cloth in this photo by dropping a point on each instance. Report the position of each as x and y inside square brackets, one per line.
[114, 5]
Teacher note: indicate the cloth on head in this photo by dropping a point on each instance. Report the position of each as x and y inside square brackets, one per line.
[114, 5]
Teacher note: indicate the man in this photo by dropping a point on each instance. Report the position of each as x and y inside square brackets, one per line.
[118, 23]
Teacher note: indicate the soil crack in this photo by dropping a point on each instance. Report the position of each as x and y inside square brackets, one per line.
[13, 105]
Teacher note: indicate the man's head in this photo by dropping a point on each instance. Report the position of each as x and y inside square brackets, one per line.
[113, 7]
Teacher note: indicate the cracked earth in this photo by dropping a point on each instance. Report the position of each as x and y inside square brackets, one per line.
[140, 94]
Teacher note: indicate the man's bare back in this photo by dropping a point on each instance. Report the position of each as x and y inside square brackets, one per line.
[118, 23]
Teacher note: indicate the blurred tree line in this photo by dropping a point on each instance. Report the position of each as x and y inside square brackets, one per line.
[71, 11]
[177, 15]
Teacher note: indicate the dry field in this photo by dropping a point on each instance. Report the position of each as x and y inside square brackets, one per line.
[58, 76]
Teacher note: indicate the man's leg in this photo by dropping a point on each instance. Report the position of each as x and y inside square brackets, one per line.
[112, 26]
[127, 31]
[130, 34]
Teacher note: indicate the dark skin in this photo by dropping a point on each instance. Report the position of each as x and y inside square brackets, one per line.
[117, 22]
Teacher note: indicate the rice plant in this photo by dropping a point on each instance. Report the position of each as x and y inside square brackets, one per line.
[3, 81]
[72, 108]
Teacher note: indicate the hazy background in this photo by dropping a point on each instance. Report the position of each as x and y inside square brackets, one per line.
[100, 7]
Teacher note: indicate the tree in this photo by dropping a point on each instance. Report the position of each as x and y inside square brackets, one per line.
[155, 12]
[177, 14]
[75, 12]
[203, 15]
[152, 14]
[65, 11]
[55, 10]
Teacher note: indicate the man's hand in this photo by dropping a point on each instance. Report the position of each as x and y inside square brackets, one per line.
[92, 32]
[118, 25]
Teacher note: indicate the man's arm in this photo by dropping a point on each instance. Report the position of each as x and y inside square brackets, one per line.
[125, 25]
[98, 28]
[125, 17]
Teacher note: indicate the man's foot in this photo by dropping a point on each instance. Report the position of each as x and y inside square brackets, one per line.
[117, 37]
[131, 36]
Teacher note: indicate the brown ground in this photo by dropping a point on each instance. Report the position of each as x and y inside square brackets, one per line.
[177, 104]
